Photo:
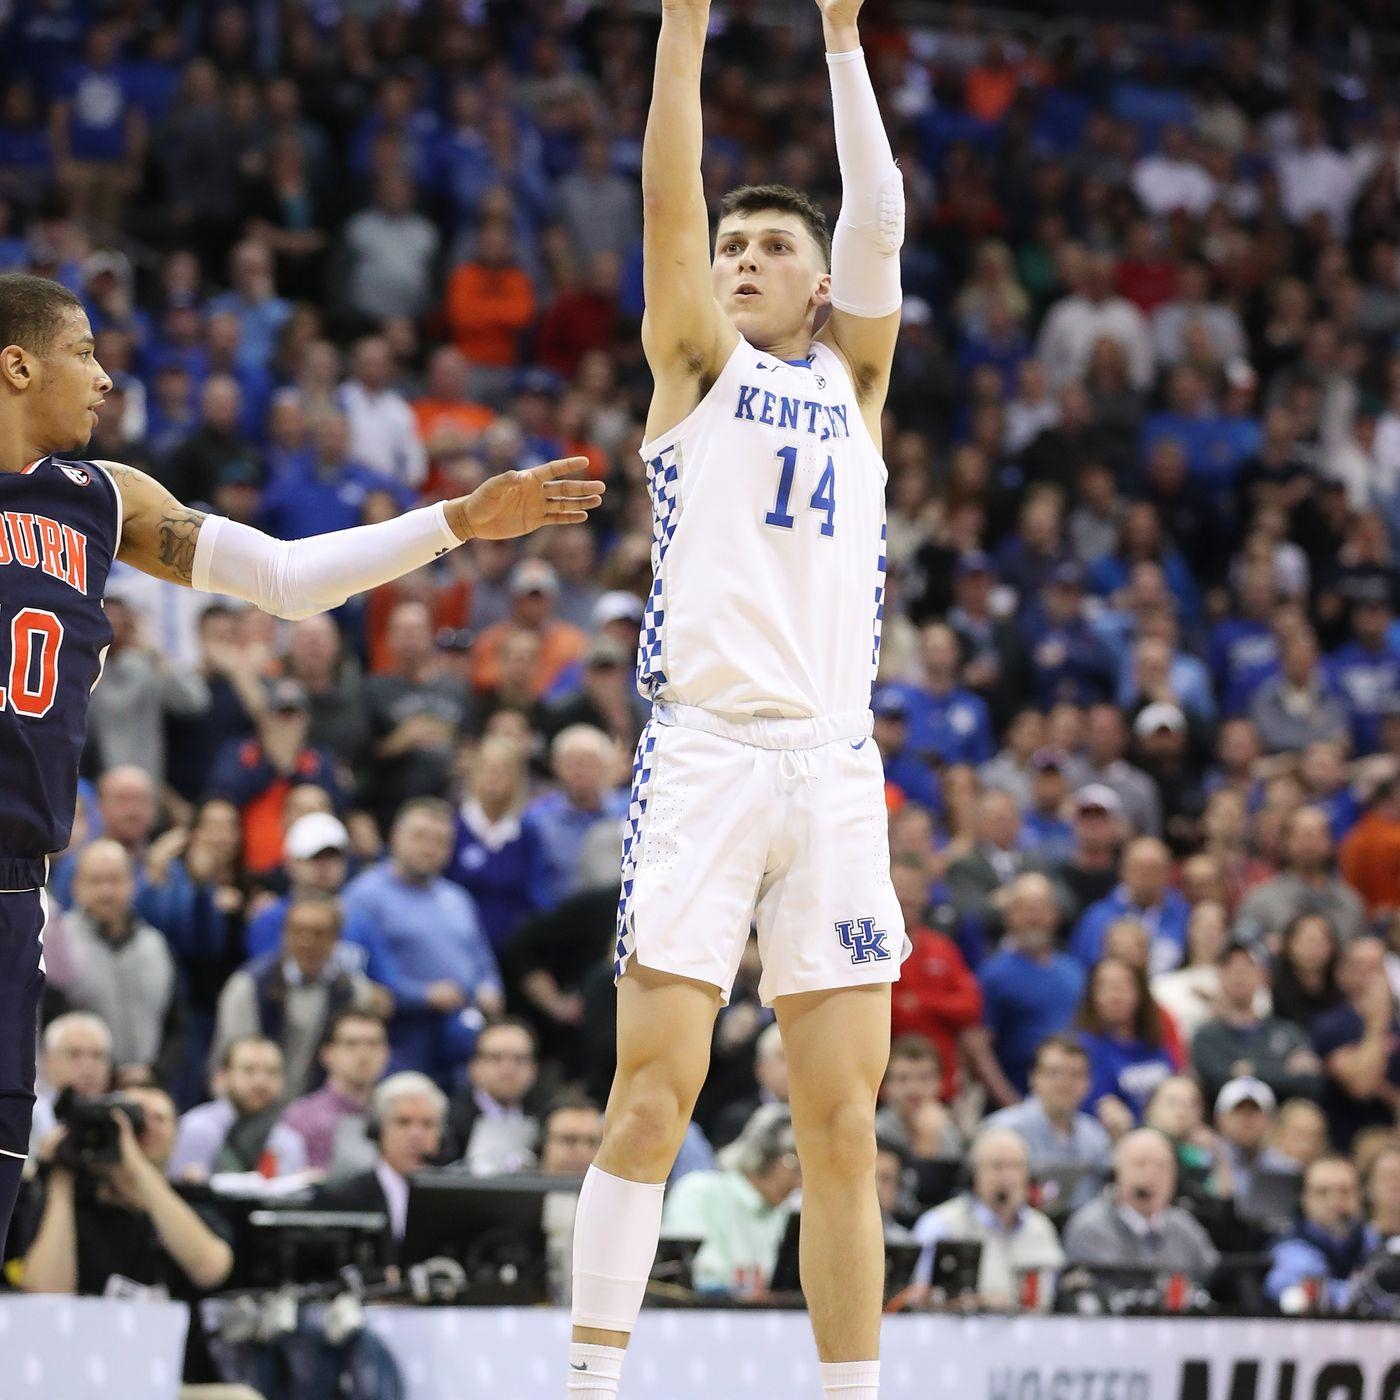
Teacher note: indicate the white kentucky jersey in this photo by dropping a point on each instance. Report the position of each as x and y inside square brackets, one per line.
[768, 545]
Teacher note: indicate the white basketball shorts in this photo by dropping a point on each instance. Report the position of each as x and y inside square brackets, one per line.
[776, 822]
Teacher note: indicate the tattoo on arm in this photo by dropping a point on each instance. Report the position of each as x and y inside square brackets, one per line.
[179, 529]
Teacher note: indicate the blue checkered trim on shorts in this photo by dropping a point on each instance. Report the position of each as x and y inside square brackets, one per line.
[663, 481]
[631, 836]
[880, 568]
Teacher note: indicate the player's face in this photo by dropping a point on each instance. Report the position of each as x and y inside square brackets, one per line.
[69, 385]
[768, 275]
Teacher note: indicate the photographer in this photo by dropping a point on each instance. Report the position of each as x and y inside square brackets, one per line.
[118, 1227]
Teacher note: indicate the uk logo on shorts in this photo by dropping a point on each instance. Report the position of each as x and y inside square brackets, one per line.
[866, 942]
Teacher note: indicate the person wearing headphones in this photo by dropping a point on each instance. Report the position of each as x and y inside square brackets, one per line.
[1015, 1238]
[406, 1119]
[741, 1211]
[1317, 1264]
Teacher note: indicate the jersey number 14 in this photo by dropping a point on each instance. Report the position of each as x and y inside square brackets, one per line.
[823, 498]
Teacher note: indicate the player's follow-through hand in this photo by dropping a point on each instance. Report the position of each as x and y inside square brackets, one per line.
[514, 503]
[840, 11]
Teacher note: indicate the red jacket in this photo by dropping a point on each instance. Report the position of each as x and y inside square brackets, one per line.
[938, 997]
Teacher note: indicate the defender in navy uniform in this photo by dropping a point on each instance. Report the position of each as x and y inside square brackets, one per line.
[62, 522]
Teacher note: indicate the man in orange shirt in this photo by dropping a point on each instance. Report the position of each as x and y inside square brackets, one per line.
[534, 587]
[447, 402]
[1370, 855]
[490, 303]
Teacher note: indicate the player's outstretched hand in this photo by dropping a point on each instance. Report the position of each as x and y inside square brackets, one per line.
[514, 503]
[840, 11]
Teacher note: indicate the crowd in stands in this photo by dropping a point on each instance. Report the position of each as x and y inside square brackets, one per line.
[1139, 685]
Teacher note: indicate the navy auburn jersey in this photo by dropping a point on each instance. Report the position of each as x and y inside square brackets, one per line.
[60, 526]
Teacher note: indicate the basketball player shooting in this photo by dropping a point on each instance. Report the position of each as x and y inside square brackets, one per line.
[63, 522]
[757, 794]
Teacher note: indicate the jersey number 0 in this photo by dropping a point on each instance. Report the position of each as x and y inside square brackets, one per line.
[35, 637]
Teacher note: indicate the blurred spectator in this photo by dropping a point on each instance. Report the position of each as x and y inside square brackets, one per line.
[257, 775]
[1106, 748]
[1029, 989]
[570, 1136]
[606, 699]
[131, 1226]
[947, 723]
[333, 1119]
[1306, 885]
[1299, 1136]
[1370, 853]
[433, 933]
[1305, 971]
[1120, 1027]
[383, 433]
[1044, 831]
[389, 250]
[291, 994]
[1057, 1133]
[1244, 1118]
[109, 961]
[581, 318]
[1296, 708]
[770, 1074]
[1137, 1225]
[994, 1212]
[741, 1211]
[1177, 1111]
[239, 1130]
[1190, 993]
[582, 759]
[417, 713]
[408, 1112]
[126, 814]
[980, 883]
[1382, 1183]
[491, 1129]
[1329, 1244]
[903, 769]
[937, 996]
[600, 209]
[140, 687]
[490, 303]
[77, 1055]
[911, 1116]
[534, 591]
[495, 853]
[1089, 872]
[1237, 1040]
[1359, 1042]
[1090, 312]
[1145, 896]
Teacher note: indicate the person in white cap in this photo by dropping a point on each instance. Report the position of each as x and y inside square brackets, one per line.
[1244, 1118]
[316, 862]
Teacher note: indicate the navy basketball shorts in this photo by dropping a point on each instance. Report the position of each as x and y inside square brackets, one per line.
[21, 986]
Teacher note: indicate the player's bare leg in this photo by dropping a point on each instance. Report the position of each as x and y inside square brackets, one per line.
[664, 1024]
[838, 1043]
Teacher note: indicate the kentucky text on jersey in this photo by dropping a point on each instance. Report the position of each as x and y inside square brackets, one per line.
[37, 542]
[822, 420]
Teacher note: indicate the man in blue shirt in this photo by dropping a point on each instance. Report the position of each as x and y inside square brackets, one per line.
[1330, 1243]
[1069, 660]
[332, 495]
[945, 721]
[254, 300]
[903, 769]
[1145, 896]
[1366, 671]
[1242, 649]
[1029, 990]
[447, 974]
[571, 856]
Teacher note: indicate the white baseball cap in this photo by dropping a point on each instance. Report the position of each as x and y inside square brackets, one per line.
[1245, 1089]
[316, 832]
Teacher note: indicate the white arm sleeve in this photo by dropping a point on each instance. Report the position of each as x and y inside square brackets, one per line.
[870, 231]
[298, 578]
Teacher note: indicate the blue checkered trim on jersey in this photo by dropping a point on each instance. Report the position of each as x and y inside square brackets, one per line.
[631, 838]
[663, 479]
[880, 567]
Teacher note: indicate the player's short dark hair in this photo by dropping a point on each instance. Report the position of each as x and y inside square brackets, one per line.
[749, 199]
[31, 311]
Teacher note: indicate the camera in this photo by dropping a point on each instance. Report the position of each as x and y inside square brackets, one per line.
[93, 1137]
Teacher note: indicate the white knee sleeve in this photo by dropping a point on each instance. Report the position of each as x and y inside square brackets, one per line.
[615, 1235]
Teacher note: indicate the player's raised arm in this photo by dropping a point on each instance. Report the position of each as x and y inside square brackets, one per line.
[684, 331]
[298, 578]
[865, 289]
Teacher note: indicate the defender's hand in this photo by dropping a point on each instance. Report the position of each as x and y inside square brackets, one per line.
[515, 503]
